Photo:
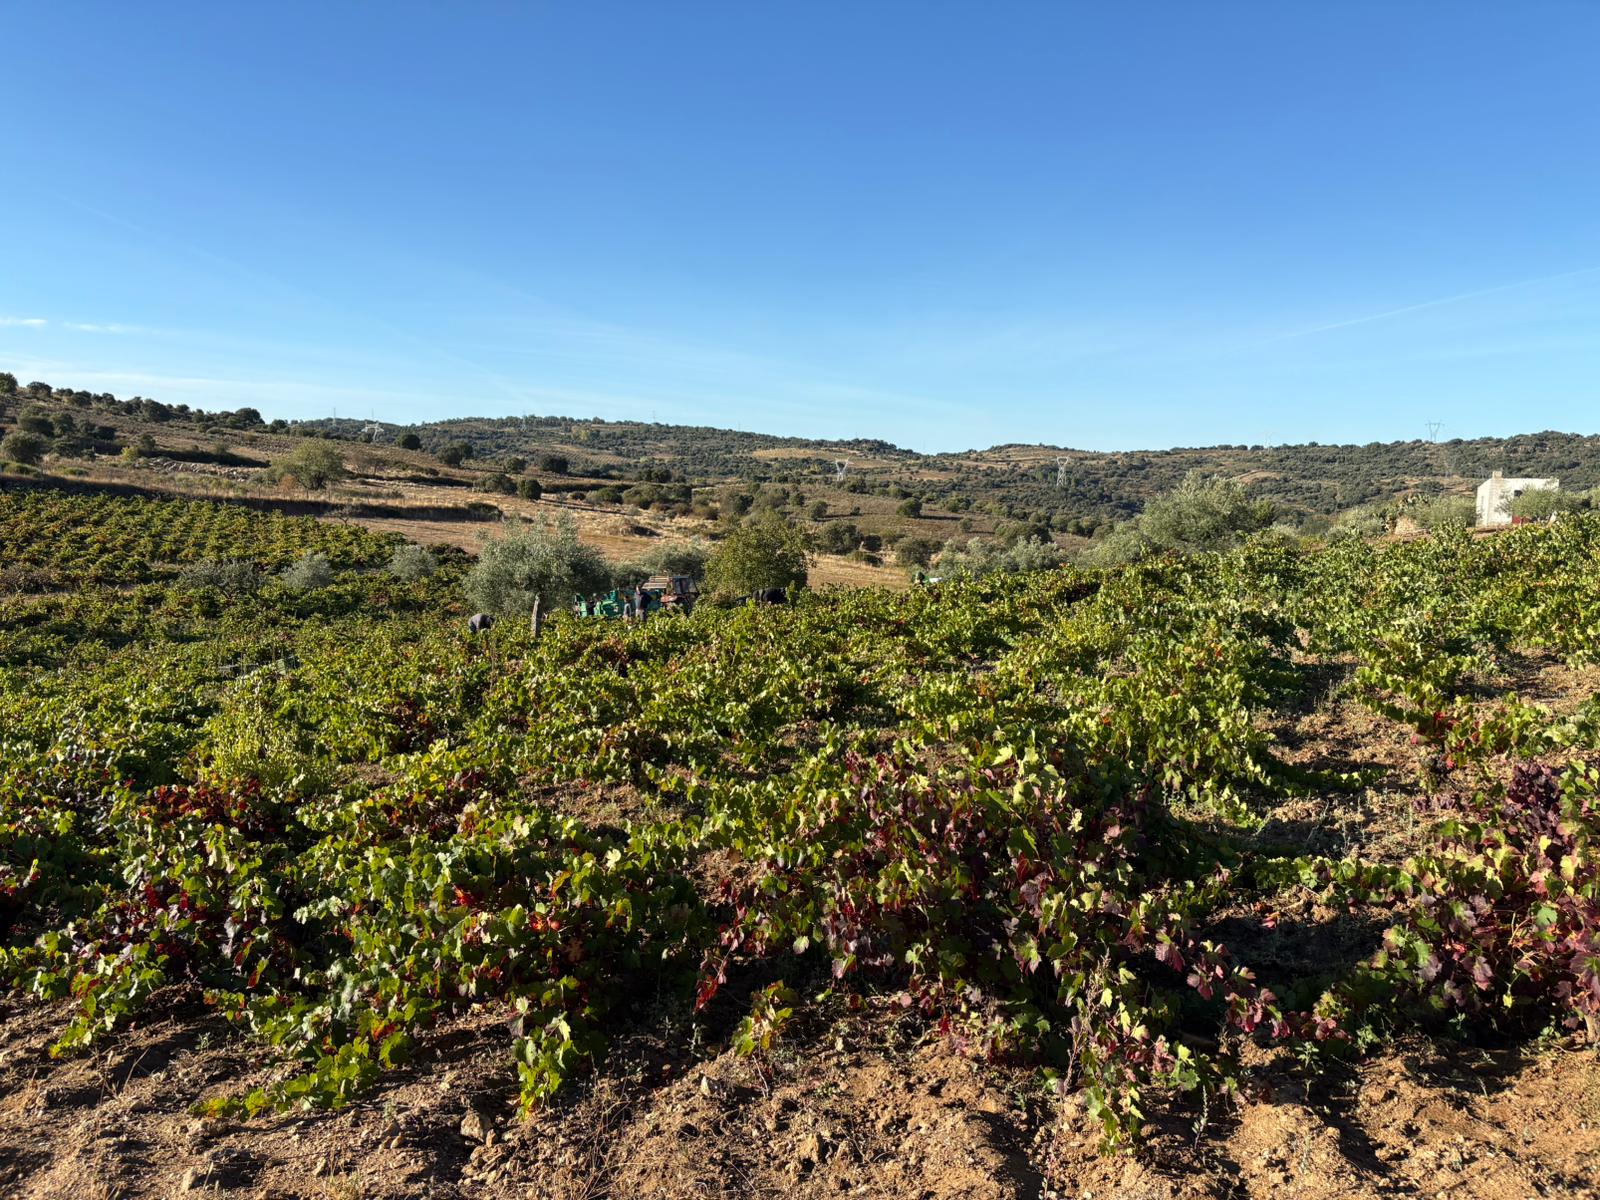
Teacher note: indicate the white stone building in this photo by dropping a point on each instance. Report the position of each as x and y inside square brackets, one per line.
[1496, 493]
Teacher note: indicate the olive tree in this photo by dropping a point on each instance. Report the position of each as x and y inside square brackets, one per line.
[838, 537]
[231, 577]
[675, 558]
[983, 556]
[1443, 512]
[309, 573]
[913, 552]
[411, 562]
[534, 567]
[1540, 504]
[314, 465]
[764, 554]
[36, 420]
[1200, 515]
[24, 448]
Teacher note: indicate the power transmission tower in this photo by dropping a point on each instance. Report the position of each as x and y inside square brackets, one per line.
[1063, 470]
[1441, 454]
[840, 467]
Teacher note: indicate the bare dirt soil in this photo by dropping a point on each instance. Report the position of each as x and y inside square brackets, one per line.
[858, 1108]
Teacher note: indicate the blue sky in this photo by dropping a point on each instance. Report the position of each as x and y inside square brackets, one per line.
[947, 225]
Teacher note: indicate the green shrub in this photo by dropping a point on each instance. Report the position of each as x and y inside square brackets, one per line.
[22, 447]
[733, 501]
[1443, 512]
[838, 537]
[229, 576]
[1009, 533]
[248, 738]
[1363, 521]
[916, 552]
[411, 562]
[36, 420]
[308, 573]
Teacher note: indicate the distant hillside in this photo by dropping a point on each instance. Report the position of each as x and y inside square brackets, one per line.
[1071, 491]
[1305, 480]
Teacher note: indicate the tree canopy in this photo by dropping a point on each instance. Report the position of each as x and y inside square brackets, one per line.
[535, 562]
[22, 447]
[314, 465]
[760, 555]
[1198, 516]
[1540, 504]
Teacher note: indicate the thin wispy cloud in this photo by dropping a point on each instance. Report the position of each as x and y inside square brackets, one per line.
[1426, 304]
[235, 269]
[656, 373]
[309, 398]
[75, 326]
[95, 327]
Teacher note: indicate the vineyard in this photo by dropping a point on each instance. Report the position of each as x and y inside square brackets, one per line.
[112, 539]
[1070, 824]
